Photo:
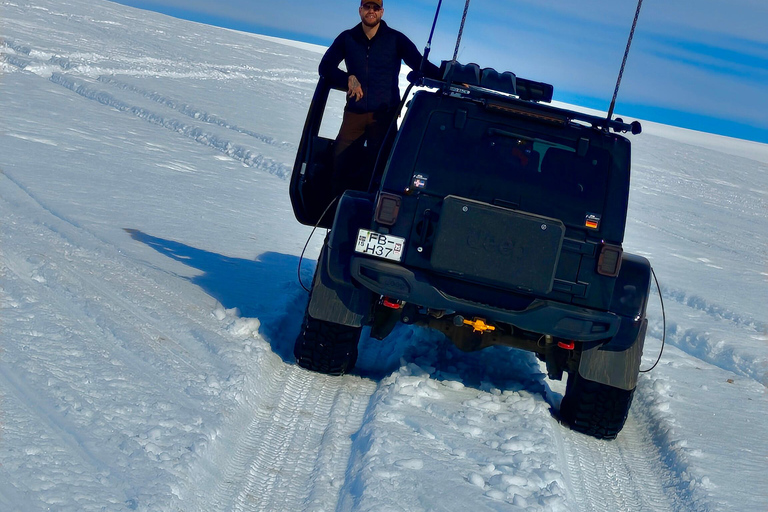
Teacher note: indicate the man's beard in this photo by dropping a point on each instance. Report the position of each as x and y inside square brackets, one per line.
[369, 24]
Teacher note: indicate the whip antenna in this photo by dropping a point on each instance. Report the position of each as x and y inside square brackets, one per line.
[623, 62]
[452, 67]
[427, 48]
[461, 31]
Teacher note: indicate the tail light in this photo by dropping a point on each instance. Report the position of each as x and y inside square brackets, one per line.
[609, 262]
[387, 208]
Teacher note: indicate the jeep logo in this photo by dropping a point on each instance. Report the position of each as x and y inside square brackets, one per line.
[488, 242]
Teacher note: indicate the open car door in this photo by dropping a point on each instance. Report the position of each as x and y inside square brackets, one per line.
[311, 189]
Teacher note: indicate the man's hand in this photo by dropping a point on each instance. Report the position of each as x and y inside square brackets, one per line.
[355, 89]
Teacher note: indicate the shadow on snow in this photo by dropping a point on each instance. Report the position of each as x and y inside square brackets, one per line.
[267, 288]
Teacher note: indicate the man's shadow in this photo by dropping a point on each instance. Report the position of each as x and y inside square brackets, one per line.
[265, 288]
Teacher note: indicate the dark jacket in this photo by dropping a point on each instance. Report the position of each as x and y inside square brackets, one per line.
[376, 64]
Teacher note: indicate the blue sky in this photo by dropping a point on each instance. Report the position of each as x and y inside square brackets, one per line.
[701, 65]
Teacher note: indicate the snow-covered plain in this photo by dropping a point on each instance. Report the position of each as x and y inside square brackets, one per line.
[149, 302]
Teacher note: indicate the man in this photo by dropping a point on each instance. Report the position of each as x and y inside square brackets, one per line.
[372, 52]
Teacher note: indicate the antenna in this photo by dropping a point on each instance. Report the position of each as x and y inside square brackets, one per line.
[461, 32]
[427, 48]
[623, 62]
[458, 42]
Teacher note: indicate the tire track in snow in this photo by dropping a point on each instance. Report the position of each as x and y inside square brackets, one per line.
[22, 58]
[702, 342]
[96, 348]
[93, 64]
[683, 480]
[52, 405]
[713, 310]
[193, 112]
[292, 443]
[107, 308]
[71, 292]
[625, 474]
[199, 135]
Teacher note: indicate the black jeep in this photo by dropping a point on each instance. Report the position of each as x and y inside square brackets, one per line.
[493, 217]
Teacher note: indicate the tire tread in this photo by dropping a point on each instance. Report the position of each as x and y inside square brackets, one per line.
[326, 347]
[595, 409]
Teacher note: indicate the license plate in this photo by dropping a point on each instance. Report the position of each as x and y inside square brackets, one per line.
[382, 246]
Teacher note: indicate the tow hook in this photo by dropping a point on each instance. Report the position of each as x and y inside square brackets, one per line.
[477, 324]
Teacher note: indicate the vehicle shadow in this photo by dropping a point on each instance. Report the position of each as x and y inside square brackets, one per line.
[265, 288]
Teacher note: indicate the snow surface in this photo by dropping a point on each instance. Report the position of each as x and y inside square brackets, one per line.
[149, 301]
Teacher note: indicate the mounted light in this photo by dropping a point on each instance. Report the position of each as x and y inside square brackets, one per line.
[609, 262]
[387, 208]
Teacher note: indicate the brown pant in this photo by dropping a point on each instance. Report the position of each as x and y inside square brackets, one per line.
[356, 148]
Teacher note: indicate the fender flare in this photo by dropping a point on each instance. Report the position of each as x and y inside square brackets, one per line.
[617, 362]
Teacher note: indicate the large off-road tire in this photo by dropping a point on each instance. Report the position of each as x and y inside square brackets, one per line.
[594, 409]
[326, 347]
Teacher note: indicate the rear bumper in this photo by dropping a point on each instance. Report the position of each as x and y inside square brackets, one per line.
[541, 316]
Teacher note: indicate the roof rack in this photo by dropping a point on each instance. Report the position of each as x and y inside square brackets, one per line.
[514, 95]
[490, 79]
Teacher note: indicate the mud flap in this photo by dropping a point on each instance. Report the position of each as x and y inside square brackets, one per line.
[355, 210]
[618, 369]
[338, 303]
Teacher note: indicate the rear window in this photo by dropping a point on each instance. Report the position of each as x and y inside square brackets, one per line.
[501, 165]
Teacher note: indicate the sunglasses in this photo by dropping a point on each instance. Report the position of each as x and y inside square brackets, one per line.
[371, 7]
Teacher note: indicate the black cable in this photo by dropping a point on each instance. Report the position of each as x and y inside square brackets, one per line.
[663, 323]
[298, 269]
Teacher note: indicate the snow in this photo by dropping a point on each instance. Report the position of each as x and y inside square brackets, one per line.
[149, 301]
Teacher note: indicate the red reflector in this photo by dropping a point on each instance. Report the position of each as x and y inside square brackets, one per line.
[387, 208]
[566, 345]
[389, 303]
[610, 260]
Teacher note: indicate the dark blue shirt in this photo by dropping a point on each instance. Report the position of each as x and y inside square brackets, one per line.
[376, 64]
